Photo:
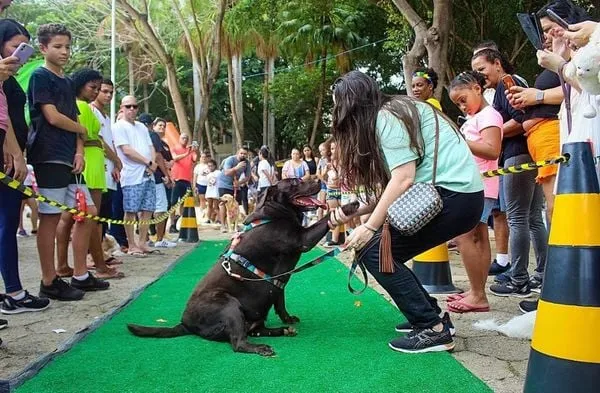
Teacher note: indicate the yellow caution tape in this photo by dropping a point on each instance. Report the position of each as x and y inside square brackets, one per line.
[16, 185]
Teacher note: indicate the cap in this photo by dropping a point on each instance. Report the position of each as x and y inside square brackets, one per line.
[145, 118]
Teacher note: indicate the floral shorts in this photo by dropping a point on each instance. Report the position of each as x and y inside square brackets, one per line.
[140, 197]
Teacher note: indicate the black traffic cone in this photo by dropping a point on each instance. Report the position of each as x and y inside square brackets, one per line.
[432, 268]
[565, 349]
[188, 231]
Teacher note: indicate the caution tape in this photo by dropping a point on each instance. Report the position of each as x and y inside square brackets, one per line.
[530, 166]
[17, 185]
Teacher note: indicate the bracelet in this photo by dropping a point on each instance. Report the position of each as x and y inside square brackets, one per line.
[78, 154]
[370, 228]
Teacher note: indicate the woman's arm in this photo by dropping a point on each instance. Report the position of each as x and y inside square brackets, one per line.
[284, 171]
[306, 171]
[489, 147]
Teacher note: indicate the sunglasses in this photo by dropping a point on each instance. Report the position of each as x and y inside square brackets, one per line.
[130, 106]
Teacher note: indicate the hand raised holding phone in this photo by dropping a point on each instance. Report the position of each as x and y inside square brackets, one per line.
[23, 52]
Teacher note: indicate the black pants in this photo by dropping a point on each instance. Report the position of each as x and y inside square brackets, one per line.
[460, 214]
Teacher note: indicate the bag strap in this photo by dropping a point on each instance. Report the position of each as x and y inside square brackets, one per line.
[437, 142]
[566, 88]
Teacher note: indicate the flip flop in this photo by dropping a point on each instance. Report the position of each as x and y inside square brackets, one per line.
[154, 252]
[466, 307]
[136, 254]
[110, 274]
[455, 297]
[113, 261]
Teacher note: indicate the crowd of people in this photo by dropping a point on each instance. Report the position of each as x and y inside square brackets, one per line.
[380, 146]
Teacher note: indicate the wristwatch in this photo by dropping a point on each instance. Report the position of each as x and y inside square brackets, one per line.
[539, 96]
[149, 164]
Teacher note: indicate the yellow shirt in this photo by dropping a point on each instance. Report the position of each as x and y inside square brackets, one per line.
[433, 101]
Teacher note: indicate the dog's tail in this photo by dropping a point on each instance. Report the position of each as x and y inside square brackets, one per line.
[160, 332]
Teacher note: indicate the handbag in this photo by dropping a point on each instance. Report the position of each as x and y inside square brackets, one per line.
[411, 211]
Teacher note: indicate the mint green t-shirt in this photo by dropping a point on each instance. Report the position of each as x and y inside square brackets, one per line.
[456, 168]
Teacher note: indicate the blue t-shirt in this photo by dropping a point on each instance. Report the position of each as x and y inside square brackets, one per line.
[225, 181]
[47, 143]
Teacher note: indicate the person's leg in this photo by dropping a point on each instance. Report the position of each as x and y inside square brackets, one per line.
[96, 237]
[147, 208]
[116, 230]
[10, 203]
[332, 203]
[539, 232]
[223, 209]
[500, 232]
[243, 198]
[473, 251]
[63, 238]
[22, 210]
[132, 201]
[82, 231]
[161, 208]
[33, 205]
[106, 210]
[548, 188]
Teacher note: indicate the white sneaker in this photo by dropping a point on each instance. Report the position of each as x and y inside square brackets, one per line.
[165, 244]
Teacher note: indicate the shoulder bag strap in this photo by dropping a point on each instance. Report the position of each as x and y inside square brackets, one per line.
[566, 88]
[437, 142]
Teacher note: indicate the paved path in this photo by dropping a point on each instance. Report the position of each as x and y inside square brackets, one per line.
[499, 361]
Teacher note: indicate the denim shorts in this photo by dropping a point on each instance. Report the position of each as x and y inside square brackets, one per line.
[488, 206]
[201, 189]
[140, 197]
[334, 195]
[501, 201]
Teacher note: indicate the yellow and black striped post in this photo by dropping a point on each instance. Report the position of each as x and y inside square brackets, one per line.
[565, 349]
[341, 236]
[432, 268]
[188, 232]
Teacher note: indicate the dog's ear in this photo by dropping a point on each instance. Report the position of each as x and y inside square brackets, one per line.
[266, 195]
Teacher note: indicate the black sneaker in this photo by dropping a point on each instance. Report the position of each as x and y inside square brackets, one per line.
[3, 324]
[511, 289]
[535, 284]
[502, 278]
[406, 327]
[27, 304]
[90, 284]
[496, 268]
[60, 290]
[528, 306]
[424, 340]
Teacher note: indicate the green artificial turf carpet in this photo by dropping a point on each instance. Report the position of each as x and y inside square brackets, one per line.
[341, 345]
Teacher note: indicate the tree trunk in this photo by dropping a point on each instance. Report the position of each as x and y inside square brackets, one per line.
[145, 97]
[130, 73]
[319, 111]
[209, 139]
[432, 41]
[266, 106]
[236, 64]
[178, 104]
[271, 122]
[234, 115]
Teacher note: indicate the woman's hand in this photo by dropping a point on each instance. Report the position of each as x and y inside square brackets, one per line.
[359, 237]
[521, 97]
[578, 33]
[549, 60]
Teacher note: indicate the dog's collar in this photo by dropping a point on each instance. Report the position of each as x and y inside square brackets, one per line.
[254, 224]
[246, 264]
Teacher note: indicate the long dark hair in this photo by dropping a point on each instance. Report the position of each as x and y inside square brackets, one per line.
[566, 9]
[491, 55]
[358, 101]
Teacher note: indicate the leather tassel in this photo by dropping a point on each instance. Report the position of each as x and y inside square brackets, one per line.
[386, 260]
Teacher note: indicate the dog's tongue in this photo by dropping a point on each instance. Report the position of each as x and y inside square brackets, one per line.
[310, 201]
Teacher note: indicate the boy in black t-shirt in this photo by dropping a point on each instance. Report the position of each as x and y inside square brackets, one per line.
[56, 151]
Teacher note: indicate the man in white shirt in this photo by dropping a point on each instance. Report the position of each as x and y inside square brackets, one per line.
[135, 150]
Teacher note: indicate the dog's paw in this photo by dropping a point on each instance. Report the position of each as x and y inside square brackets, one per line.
[291, 319]
[265, 350]
[290, 331]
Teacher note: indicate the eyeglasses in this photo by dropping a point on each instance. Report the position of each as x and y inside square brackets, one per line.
[132, 106]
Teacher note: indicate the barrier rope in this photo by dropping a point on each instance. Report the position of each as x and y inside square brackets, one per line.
[18, 186]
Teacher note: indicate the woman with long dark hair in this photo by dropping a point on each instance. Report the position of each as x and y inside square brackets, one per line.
[386, 144]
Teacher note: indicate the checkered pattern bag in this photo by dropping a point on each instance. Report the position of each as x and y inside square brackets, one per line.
[419, 204]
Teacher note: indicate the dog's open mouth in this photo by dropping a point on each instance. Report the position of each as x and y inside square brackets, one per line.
[308, 202]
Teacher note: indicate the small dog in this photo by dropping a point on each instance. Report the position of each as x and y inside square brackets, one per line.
[110, 245]
[233, 215]
[518, 327]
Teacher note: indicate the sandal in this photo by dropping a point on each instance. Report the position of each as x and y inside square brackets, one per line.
[154, 252]
[113, 261]
[461, 307]
[65, 273]
[137, 254]
[109, 274]
[455, 297]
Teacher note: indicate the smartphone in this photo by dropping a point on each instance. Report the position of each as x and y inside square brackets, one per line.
[23, 52]
[508, 81]
[555, 18]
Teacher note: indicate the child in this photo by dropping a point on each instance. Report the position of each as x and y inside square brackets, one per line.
[200, 180]
[212, 192]
[334, 192]
[31, 202]
[483, 132]
[56, 153]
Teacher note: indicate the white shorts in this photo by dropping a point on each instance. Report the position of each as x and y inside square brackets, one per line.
[65, 195]
[162, 205]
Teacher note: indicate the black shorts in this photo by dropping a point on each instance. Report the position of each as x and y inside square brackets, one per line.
[179, 190]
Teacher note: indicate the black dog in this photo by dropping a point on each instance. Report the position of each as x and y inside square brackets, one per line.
[223, 308]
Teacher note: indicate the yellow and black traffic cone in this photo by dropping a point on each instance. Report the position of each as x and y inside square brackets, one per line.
[565, 349]
[188, 232]
[432, 268]
[341, 236]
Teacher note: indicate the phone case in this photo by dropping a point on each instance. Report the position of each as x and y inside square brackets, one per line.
[23, 53]
[508, 81]
[531, 29]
